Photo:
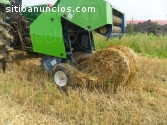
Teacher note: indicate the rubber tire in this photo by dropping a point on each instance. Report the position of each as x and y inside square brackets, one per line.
[70, 72]
[5, 39]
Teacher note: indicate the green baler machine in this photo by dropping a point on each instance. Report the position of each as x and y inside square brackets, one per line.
[48, 37]
[61, 33]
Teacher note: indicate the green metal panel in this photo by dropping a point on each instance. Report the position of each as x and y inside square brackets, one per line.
[94, 19]
[32, 12]
[47, 36]
[4, 2]
[109, 13]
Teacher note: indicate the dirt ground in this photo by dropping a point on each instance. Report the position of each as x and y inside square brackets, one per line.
[148, 27]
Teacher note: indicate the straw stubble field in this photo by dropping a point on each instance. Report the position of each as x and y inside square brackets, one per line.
[29, 96]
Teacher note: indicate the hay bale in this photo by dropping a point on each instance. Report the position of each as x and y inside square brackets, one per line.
[117, 21]
[109, 65]
[133, 61]
[117, 29]
[115, 65]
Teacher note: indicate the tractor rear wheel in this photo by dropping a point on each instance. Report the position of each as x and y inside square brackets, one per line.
[64, 76]
[5, 39]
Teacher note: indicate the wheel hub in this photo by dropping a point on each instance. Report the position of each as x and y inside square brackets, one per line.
[60, 78]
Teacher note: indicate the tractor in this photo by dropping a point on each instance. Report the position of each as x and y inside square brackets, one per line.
[62, 33]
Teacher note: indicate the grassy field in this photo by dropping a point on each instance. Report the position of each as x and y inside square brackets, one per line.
[148, 45]
[29, 96]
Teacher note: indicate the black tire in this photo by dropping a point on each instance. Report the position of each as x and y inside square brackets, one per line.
[70, 73]
[5, 40]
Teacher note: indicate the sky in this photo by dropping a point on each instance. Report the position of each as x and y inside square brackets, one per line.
[134, 9]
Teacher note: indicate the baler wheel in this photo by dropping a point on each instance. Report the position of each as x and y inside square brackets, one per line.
[64, 76]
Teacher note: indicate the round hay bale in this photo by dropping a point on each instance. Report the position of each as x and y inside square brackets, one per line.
[109, 66]
[132, 58]
[117, 21]
[117, 29]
